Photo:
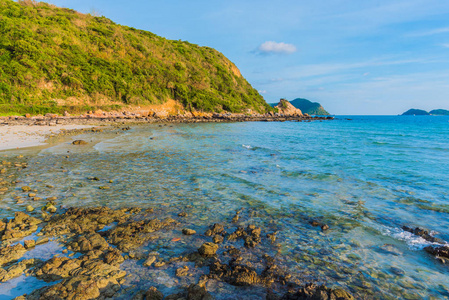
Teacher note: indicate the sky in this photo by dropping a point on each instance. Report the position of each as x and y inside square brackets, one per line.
[370, 57]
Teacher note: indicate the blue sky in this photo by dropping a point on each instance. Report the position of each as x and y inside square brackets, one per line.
[352, 56]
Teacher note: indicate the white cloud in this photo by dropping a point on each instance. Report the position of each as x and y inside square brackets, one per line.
[270, 47]
[262, 92]
[445, 45]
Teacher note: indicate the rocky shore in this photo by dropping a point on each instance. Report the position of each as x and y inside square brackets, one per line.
[138, 118]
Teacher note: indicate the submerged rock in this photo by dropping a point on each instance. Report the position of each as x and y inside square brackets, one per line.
[79, 142]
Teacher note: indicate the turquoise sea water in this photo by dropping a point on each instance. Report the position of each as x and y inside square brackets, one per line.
[364, 176]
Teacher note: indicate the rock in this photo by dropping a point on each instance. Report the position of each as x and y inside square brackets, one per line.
[313, 292]
[79, 142]
[31, 195]
[149, 261]
[217, 239]
[198, 292]
[183, 271]
[17, 269]
[215, 229]
[29, 244]
[160, 264]
[11, 253]
[51, 208]
[26, 189]
[324, 227]
[42, 240]
[22, 225]
[287, 109]
[187, 231]
[29, 208]
[441, 253]
[182, 214]
[208, 249]
[423, 233]
[153, 294]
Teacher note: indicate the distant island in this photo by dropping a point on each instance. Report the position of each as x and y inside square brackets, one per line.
[307, 107]
[420, 112]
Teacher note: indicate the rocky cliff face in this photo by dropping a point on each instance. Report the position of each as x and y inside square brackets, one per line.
[286, 108]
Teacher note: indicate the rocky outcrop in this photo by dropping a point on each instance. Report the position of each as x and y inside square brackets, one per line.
[22, 225]
[287, 109]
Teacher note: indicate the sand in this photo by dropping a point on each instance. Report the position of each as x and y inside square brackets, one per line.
[22, 136]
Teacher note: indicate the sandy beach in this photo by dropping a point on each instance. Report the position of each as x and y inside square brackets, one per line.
[22, 136]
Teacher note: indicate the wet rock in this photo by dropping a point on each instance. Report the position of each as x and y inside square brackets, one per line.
[324, 227]
[198, 292]
[314, 292]
[235, 274]
[397, 271]
[187, 231]
[149, 261]
[208, 249]
[22, 225]
[441, 253]
[88, 242]
[29, 244]
[183, 271]
[160, 264]
[217, 239]
[272, 237]
[133, 234]
[153, 294]
[215, 229]
[80, 220]
[17, 269]
[182, 214]
[251, 235]
[79, 142]
[57, 268]
[26, 189]
[423, 233]
[113, 257]
[29, 208]
[42, 240]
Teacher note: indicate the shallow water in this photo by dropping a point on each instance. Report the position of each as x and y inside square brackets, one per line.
[365, 177]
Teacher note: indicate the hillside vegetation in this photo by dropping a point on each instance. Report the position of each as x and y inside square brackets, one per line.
[54, 59]
[309, 107]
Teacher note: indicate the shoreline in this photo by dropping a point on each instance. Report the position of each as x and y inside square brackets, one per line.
[24, 132]
[19, 136]
[126, 117]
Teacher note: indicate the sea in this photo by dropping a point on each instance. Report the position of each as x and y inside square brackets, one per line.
[365, 177]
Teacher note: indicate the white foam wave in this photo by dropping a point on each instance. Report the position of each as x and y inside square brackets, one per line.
[247, 146]
[413, 241]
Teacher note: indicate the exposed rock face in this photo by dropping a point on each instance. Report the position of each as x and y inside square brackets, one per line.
[287, 109]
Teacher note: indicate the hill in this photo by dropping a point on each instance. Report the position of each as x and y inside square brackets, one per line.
[309, 107]
[439, 112]
[416, 112]
[55, 59]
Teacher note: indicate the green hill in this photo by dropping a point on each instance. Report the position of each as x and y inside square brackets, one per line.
[439, 112]
[416, 112]
[309, 107]
[54, 59]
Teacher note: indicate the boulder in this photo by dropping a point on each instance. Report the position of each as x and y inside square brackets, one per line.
[287, 109]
